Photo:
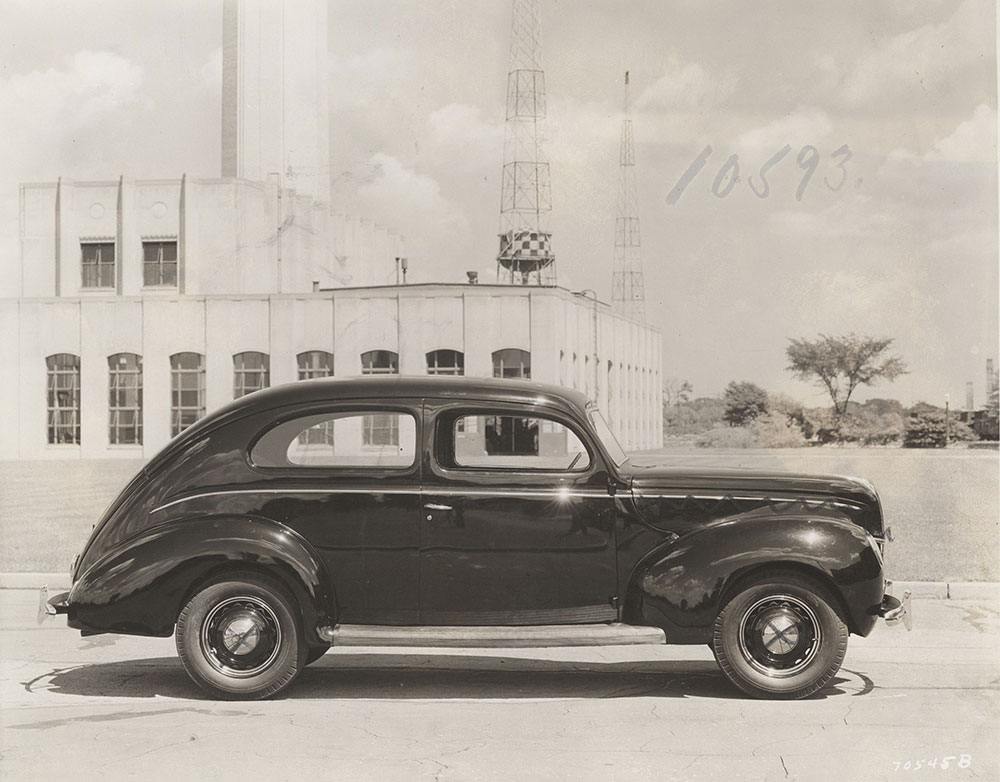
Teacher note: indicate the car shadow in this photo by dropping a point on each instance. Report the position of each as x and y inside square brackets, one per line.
[422, 677]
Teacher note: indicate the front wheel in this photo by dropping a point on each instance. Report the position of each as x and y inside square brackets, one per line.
[239, 638]
[780, 637]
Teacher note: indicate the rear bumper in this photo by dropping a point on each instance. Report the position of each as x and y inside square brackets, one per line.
[896, 610]
[51, 606]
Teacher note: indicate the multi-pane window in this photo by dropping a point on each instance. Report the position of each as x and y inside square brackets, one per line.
[512, 362]
[316, 363]
[380, 429]
[251, 372]
[63, 370]
[446, 362]
[159, 263]
[187, 390]
[97, 263]
[125, 399]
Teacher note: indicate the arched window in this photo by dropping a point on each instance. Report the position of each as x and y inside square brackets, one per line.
[187, 390]
[315, 363]
[63, 375]
[446, 362]
[125, 399]
[251, 372]
[379, 362]
[512, 362]
[380, 429]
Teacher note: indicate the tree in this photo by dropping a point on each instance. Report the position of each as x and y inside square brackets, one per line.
[841, 364]
[744, 402]
[930, 429]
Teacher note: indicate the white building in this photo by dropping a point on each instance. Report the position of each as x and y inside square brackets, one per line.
[141, 305]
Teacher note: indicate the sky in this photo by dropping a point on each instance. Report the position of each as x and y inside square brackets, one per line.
[875, 124]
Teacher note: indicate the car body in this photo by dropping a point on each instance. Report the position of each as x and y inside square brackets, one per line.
[469, 511]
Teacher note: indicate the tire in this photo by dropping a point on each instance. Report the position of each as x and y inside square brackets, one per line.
[780, 637]
[316, 653]
[239, 638]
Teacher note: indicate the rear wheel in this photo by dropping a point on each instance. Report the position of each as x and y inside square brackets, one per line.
[239, 638]
[780, 636]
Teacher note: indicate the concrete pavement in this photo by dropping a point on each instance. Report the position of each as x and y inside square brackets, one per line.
[117, 707]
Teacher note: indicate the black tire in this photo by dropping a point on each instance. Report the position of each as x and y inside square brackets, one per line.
[780, 636]
[316, 653]
[239, 638]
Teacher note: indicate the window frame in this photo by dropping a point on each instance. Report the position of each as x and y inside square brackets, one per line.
[435, 368]
[53, 426]
[115, 389]
[457, 412]
[98, 265]
[360, 409]
[242, 372]
[180, 408]
[159, 264]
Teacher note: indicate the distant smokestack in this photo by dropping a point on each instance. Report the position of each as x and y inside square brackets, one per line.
[969, 404]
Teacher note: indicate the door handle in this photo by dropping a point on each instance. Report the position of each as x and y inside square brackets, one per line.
[435, 506]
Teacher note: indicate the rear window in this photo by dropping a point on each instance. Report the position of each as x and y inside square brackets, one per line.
[371, 438]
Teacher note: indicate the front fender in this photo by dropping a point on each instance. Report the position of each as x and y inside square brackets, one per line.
[681, 586]
[140, 586]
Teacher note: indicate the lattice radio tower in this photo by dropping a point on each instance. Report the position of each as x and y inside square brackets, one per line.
[525, 255]
[627, 294]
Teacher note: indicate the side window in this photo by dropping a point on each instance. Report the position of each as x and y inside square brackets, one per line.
[340, 439]
[516, 443]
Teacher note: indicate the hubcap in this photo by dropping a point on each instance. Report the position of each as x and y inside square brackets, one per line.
[779, 636]
[240, 636]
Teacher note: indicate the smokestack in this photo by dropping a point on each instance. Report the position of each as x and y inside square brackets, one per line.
[968, 397]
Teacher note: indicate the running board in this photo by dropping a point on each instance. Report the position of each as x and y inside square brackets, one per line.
[533, 636]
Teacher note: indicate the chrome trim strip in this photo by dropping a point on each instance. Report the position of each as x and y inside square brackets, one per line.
[553, 493]
[759, 497]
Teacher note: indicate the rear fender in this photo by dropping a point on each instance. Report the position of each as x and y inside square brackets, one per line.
[682, 585]
[140, 586]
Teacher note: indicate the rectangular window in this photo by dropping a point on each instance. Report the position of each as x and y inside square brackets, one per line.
[159, 264]
[380, 430]
[313, 364]
[125, 399]
[290, 444]
[187, 390]
[63, 399]
[97, 264]
[251, 372]
[516, 443]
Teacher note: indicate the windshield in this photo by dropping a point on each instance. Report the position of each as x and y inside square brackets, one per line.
[607, 437]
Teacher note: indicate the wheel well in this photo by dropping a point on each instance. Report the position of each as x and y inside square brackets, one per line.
[742, 578]
[218, 572]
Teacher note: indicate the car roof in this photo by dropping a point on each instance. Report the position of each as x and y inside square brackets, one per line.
[383, 387]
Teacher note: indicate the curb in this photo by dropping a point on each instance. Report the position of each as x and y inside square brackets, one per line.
[934, 590]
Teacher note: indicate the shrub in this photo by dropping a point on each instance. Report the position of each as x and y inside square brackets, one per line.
[727, 437]
[694, 417]
[776, 431]
[927, 428]
[867, 427]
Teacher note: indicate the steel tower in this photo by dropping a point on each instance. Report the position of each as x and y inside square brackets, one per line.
[627, 294]
[525, 255]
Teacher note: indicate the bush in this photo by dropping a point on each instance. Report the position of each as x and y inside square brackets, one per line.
[780, 404]
[776, 431]
[927, 428]
[694, 417]
[867, 427]
[727, 437]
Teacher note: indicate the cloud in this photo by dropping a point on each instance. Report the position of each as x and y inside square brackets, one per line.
[805, 125]
[690, 85]
[974, 141]
[927, 58]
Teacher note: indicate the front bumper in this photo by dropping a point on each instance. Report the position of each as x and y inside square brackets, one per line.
[896, 610]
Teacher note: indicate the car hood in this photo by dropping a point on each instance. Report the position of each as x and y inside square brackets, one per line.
[676, 498]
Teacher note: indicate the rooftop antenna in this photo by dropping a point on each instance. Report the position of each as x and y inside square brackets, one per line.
[627, 296]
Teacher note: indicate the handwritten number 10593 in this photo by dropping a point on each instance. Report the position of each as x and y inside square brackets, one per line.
[808, 159]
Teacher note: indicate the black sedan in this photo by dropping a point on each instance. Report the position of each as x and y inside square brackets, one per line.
[460, 511]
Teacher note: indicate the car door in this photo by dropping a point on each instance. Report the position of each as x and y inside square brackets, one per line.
[346, 477]
[517, 524]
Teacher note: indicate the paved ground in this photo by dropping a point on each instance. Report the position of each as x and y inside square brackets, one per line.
[113, 707]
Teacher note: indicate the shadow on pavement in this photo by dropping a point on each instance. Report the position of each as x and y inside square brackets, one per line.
[405, 677]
